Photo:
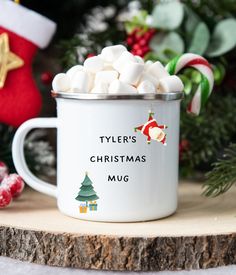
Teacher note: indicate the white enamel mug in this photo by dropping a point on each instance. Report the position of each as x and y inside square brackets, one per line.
[116, 159]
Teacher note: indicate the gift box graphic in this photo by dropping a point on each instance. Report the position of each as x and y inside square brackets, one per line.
[83, 209]
[93, 206]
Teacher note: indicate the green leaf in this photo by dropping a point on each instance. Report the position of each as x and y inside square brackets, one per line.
[153, 57]
[191, 21]
[219, 73]
[139, 20]
[168, 15]
[223, 38]
[129, 27]
[200, 40]
[162, 43]
[169, 54]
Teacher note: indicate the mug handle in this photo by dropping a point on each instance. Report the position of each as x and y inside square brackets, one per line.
[19, 158]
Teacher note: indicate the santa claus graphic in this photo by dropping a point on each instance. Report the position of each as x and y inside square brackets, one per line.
[152, 130]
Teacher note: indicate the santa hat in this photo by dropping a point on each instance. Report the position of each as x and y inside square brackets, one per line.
[26, 23]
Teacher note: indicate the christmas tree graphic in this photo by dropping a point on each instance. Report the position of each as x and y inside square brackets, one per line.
[87, 194]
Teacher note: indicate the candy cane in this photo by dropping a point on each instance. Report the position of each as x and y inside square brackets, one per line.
[207, 80]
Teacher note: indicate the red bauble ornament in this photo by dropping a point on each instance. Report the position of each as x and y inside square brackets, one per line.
[5, 197]
[3, 170]
[14, 183]
[46, 78]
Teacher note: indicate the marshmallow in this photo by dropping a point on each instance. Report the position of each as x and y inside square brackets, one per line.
[61, 83]
[100, 88]
[106, 76]
[91, 77]
[93, 64]
[170, 84]
[146, 87]
[139, 59]
[80, 82]
[71, 72]
[149, 77]
[118, 87]
[116, 70]
[120, 63]
[108, 67]
[131, 73]
[147, 65]
[157, 70]
[111, 53]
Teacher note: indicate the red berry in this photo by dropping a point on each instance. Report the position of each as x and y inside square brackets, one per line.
[142, 42]
[3, 170]
[90, 55]
[135, 32]
[145, 49]
[137, 36]
[5, 196]
[152, 31]
[134, 52]
[136, 47]
[147, 36]
[129, 41]
[135, 39]
[14, 183]
[46, 78]
[140, 52]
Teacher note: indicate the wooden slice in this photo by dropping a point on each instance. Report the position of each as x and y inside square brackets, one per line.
[201, 234]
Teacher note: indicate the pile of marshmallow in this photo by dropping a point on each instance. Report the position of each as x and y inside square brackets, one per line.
[117, 71]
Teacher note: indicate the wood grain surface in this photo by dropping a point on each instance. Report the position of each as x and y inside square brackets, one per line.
[201, 234]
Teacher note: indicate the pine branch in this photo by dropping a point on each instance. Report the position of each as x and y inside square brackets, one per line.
[208, 133]
[223, 175]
